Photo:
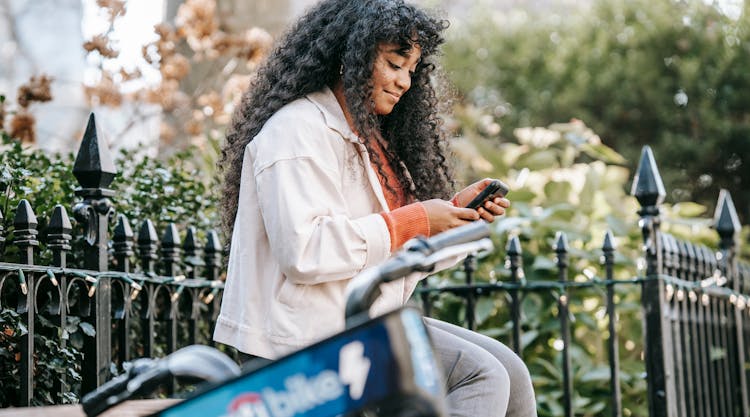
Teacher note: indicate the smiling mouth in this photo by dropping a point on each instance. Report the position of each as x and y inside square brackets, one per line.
[396, 96]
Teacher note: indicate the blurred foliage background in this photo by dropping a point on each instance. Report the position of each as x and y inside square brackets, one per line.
[670, 74]
[557, 105]
[595, 86]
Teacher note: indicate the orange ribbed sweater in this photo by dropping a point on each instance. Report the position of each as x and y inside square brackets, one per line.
[404, 221]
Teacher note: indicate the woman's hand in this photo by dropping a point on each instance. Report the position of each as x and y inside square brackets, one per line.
[443, 215]
[490, 209]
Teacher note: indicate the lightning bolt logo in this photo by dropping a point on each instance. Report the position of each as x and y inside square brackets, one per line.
[354, 367]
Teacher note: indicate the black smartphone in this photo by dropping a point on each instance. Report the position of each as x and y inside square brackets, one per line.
[496, 188]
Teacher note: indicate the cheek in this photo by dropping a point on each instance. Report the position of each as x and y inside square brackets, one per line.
[379, 78]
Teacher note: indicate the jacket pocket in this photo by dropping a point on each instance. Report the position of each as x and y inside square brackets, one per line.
[290, 294]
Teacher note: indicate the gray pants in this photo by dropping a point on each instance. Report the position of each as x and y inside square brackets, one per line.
[484, 377]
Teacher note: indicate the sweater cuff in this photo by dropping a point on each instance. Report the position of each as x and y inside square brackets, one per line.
[405, 223]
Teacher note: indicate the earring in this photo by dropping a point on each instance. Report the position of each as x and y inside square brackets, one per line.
[341, 69]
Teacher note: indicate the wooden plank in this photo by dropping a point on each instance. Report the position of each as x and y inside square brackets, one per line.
[135, 408]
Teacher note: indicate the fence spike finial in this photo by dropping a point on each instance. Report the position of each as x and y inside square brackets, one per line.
[561, 242]
[147, 246]
[726, 221]
[648, 187]
[25, 232]
[513, 247]
[58, 235]
[609, 242]
[93, 167]
[122, 243]
[25, 217]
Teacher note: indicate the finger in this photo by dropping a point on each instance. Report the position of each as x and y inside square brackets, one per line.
[502, 201]
[486, 215]
[494, 209]
[467, 214]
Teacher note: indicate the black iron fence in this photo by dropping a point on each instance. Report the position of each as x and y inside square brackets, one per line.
[125, 309]
[695, 302]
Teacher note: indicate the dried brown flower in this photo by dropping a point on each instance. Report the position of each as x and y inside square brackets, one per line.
[168, 96]
[235, 87]
[165, 31]
[130, 75]
[167, 133]
[37, 89]
[115, 8]
[105, 93]
[22, 127]
[175, 67]
[194, 127]
[197, 18]
[211, 104]
[257, 44]
[223, 42]
[100, 43]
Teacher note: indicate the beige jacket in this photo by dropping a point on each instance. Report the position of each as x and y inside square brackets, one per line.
[307, 223]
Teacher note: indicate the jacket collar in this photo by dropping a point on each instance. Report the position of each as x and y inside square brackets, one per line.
[333, 115]
[334, 118]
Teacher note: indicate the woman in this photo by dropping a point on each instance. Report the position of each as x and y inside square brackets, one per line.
[334, 159]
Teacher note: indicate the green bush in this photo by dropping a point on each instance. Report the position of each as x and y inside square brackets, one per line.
[670, 74]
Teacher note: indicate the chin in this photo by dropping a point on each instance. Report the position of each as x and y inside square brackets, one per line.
[383, 110]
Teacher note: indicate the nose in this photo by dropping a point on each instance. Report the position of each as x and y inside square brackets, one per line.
[403, 80]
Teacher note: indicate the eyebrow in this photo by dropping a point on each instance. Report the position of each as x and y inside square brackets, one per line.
[406, 53]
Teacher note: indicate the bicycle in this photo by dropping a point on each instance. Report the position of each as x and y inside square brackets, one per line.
[382, 366]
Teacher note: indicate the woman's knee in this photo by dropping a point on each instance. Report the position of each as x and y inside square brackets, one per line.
[485, 371]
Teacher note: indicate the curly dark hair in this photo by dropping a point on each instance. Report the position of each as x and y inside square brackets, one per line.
[338, 35]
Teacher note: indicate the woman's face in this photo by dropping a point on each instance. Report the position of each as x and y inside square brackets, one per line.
[391, 75]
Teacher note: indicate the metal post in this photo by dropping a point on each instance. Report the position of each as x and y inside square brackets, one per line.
[728, 226]
[122, 245]
[608, 258]
[94, 170]
[513, 251]
[170, 257]
[649, 191]
[24, 236]
[58, 240]
[147, 247]
[194, 264]
[470, 265]
[212, 254]
[561, 249]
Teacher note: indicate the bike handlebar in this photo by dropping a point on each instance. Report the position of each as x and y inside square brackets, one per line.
[197, 362]
[456, 236]
[419, 255]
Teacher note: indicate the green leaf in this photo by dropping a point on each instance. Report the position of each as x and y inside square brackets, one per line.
[599, 373]
[603, 153]
[485, 306]
[528, 337]
[22, 330]
[551, 369]
[87, 328]
[689, 209]
[542, 262]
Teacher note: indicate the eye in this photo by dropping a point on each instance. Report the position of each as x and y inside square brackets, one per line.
[394, 66]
